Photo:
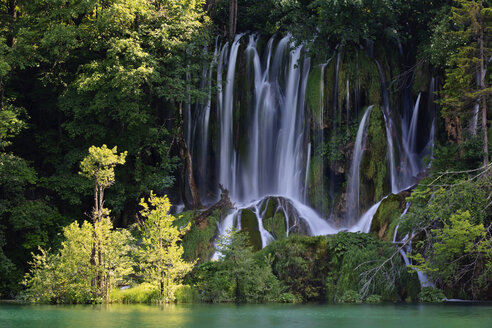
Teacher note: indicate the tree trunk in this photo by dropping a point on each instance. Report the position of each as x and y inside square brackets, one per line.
[232, 19]
[12, 12]
[188, 163]
[484, 97]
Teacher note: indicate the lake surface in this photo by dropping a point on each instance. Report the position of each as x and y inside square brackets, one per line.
[256, 316]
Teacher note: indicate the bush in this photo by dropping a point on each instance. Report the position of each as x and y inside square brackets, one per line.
[302, 264]
[143, 293]
[186, 294]
[373, 299]
[239, 276]
[431, 295]
[287, 298]
[350, 296]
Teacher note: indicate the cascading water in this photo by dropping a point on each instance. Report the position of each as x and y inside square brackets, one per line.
[274, 160]
[389, 125]
[354, 179]
[263, 144]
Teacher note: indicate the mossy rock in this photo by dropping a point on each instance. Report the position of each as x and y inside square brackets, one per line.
[317, 197]
[388, 213]
[374, 168]
[198, 241]
[249, 224]
[313, 95]
[276, 225]
[269, 207]
[298, 227]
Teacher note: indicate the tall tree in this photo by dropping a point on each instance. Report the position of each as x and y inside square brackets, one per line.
[99, 166]
[466, 69]
[161, 252]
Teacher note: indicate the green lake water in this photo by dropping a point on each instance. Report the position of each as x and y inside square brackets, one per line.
[255, 316]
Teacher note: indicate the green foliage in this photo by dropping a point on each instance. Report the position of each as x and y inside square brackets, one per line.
[350, 296]
[458, 157]
[160, 252]
[239, 276]
[386, 217]
[358, 271]
[11, 124]
[468, 32]
[301, 263]
[67, 276]
[99, 165]
[198, 241]
[142, 293]
[287, 298]
[186, 294]
[373, 165]
[431, 295]
[456, 250]
[373, 299]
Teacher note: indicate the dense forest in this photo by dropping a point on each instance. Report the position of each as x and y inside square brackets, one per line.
[106, 106]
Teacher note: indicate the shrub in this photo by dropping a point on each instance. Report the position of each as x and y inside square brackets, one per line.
[186, 294]
[431, 295]
[287, 298]
[350, 296]
[143, 293]
[373, 299]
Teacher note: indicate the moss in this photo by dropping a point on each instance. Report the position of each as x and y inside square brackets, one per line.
[313, 94]
[373, 165]
[198, 241]
[276, 225]
[269, 208]
[249, 224]
[369, 79]
[316, 183]
[387, 214]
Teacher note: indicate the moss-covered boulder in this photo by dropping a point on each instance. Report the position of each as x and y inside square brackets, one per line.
[386, 217]
[276, 225]
[249, 224]
[375, 179]
[198, 242]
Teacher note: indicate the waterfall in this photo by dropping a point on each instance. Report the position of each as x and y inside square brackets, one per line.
[261, 136]
[227, 154]
[364, 223]
[409, 142]
[354, 179]
[389, 130]
[273, 162]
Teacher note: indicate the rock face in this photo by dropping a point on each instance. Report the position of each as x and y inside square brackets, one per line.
[385, 220]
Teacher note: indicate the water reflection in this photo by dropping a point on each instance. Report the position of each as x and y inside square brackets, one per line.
[257, 316]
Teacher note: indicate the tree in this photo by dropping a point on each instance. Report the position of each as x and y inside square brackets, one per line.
[451, 219]
[99, 165]
[161, 254]
[466, 83]
[67, 276]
